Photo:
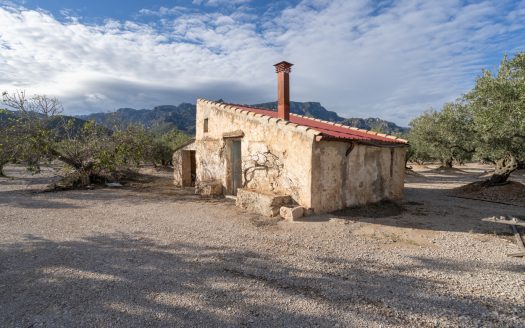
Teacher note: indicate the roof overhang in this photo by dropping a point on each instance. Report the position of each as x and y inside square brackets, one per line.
[324, 137]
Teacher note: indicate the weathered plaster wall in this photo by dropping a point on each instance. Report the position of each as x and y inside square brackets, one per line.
[182, 166]
[284, 158]
[276, 155]
[355, 175]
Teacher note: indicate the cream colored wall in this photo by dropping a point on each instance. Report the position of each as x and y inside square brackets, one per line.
[181, 166]
[276, 155]
[368, 174]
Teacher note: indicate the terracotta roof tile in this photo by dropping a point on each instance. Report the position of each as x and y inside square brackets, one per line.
[329, 130]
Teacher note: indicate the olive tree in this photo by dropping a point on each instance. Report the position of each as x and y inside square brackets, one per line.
[27, 136]
[165, 144]
[8, 142]
[93, 152]
[445, 135]
[40, 132]
[421, 146]
[497, 103]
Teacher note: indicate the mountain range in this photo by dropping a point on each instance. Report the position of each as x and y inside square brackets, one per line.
[182, 117]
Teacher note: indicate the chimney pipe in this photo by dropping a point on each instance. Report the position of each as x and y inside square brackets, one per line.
[283, 70]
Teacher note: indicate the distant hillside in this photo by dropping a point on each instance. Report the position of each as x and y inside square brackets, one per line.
[376, 124]
[182, 117]
[311, 109]
[316, 110]
[164, 117]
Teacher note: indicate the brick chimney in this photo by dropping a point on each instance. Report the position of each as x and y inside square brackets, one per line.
[283, 70]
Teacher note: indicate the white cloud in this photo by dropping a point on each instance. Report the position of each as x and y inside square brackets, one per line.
[412, 55]
[360, 59]
[69, 60]
[217, 3]
[163, 11]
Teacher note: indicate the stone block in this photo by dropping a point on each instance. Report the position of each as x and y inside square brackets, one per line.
[291, 213]
[209, 188]
[264, 203]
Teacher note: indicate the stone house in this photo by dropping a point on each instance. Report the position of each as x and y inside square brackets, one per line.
[269, 159]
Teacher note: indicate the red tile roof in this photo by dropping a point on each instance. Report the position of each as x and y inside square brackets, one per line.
[328, 130]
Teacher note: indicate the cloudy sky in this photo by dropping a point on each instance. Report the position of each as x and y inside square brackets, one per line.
[361, 58]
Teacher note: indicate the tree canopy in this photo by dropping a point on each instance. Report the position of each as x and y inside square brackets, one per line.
[446, 135]
[487, 123]
[36, 131]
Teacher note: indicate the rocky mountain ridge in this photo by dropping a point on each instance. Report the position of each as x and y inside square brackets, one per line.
[182, 117]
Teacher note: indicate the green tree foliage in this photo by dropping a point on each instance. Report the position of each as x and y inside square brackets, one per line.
[488, 122]
[421, 145]
[497, 103]
[91, 153]
[94, 153]
[166, 143]
[134, 145]
[26, 134]
[138, 145]
[7, 140]
[445, 135]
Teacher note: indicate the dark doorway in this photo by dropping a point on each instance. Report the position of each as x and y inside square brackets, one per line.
[236, 163]
[193, 165]
[189, 168]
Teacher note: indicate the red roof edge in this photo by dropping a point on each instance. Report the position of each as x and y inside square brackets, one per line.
[330, 131]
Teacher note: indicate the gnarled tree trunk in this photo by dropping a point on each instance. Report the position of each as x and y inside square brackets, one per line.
[2, 169]
[504, 167]
[84, 168]
[448, 163]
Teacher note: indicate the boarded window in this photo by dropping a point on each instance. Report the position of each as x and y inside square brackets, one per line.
[205, 125]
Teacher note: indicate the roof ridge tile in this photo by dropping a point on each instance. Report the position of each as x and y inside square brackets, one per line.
[311, 129]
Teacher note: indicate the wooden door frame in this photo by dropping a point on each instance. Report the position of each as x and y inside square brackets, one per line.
[228, 156]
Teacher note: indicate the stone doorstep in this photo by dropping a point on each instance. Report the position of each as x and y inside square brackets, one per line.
[208, 188]
[263, 203]
[292, 213]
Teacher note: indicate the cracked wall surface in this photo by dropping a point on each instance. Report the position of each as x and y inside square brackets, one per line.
[276, 158]
[283, 158]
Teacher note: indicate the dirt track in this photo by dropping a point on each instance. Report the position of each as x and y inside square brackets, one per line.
[153, 256]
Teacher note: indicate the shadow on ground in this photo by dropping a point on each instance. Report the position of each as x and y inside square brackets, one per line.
[123, 281]
[23, 196]
[427, 207]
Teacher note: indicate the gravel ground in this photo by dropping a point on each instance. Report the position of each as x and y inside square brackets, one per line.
[153, 256]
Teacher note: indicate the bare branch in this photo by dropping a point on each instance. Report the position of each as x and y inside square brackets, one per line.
[47, 106]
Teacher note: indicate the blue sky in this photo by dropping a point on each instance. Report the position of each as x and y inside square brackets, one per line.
[96, 11]
[361, 58]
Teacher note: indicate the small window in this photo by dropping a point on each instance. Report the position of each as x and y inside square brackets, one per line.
[205, 125]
